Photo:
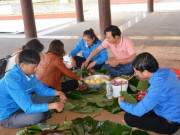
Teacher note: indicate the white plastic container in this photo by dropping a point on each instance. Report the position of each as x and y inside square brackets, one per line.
[117, 89]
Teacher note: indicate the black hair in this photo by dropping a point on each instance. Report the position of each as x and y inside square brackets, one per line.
[90, 33]
[29, 56]
[115, 31]
[34, 44]
[145, 61]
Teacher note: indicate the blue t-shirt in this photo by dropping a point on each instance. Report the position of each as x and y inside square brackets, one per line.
[16, 90]
[100, 58]
[163, 97]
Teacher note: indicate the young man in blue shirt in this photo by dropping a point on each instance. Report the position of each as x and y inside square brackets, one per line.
[159, 110]
[18, 108]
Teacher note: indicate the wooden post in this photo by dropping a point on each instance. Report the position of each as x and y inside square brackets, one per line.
[79, 11]
[104, 15]
[150, 6]
[28, 18]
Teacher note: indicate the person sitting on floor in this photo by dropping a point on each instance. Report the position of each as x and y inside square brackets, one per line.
[122, 48]
[89, 43]
[159, 110]
[32, 44]
[51, 69]
[18, 108]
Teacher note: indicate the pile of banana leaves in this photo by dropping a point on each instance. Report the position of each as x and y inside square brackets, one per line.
[94, 100]
[82, 126]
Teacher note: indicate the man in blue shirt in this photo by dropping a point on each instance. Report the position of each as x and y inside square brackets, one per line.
[18, 108]
[159, 110]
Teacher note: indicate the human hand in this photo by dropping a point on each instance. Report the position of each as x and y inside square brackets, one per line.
[57, 105]
[84, 65]
[120, 99]
[73, 63]
[62, 97]
[81, 79]
[92, 64]
[114, 63]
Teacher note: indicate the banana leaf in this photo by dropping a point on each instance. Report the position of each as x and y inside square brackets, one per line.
[68, 106]
[35, 129]
[129, 98]
[83, 73]
[84, 126]
[101, 72]
[133, 81]
[114, 108]
[103, 87]
[89, 91]
[87, 109]
[74, 95]
[89, 126]
[142, 85]
[139, 132]
[65, 126]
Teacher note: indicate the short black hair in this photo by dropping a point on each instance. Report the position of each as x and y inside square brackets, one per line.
[145, 61]
[29, 56]
[34, 44]
[115, 31]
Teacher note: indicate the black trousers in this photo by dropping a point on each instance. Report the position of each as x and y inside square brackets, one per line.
[79, 60]
[69, 85]
[151, 122]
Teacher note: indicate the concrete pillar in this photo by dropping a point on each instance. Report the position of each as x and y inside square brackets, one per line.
[104, 15]
[79, 10]
[150, 5]
[28, 18]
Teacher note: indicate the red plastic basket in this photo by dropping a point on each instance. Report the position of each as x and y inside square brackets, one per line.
[177, 72]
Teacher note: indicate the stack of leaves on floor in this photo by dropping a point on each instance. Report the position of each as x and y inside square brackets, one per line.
[93, 101]
[82, 126]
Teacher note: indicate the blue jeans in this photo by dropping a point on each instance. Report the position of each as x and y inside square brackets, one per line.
[19, 119]
[121, 69]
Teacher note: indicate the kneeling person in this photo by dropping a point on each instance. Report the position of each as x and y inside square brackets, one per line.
[18, 108]
[159, 110]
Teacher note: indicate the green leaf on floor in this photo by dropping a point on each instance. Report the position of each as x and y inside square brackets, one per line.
[84, 126]
[74, 95]
[35, 129]
[68, 106]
